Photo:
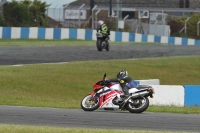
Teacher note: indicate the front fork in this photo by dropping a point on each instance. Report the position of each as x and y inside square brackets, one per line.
[94, 97]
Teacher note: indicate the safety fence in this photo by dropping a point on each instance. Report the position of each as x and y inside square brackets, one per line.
[166, 95]
[88, 34]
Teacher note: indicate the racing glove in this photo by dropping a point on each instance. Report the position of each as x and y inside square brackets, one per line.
[107, 80]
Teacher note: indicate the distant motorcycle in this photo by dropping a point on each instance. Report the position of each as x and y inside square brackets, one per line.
[106, 96]
[102, 42]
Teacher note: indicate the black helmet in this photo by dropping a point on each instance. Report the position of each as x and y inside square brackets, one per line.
[122, 73]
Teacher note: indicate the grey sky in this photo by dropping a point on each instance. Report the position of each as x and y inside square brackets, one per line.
[55, 3]
[56, 13]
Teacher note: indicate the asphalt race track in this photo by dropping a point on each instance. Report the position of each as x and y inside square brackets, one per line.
[96, 119]
[48, 54]
[99, 119]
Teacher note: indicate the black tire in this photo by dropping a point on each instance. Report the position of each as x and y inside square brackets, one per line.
[86, 106]
[99, 47]
[107, 46]
[108, 108]
[132, 109]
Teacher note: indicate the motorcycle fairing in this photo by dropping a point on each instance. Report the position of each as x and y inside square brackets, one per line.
[107, 97]
[132, 90]
[106, 91]
[97, 85]
[116, 86]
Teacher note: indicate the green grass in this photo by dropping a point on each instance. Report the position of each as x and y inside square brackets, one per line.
[46, 129]
[64, 85]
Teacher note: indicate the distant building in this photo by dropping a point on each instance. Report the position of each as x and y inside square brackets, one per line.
[122, 8]
[134, 12]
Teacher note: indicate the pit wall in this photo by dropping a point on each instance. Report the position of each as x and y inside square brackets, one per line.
[88, 34]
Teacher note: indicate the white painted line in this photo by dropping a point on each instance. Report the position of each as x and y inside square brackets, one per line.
[18, 65]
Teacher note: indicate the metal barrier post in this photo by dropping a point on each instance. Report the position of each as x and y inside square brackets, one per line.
[80, 14]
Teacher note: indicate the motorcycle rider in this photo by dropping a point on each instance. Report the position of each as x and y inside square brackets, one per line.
[125, 81]
[103, 28]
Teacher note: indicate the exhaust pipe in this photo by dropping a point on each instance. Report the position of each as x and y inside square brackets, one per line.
[139, 94]
[133, 96]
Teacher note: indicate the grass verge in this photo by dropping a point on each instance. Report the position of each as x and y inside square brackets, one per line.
[64, 85]
[46, 129]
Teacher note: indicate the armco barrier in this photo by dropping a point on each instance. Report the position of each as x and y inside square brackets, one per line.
[149, 82]
[88, 34]
[192, 95]
[175, 95]
[168, 95]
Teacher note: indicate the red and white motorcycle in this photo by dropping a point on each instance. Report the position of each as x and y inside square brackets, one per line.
[108, 96]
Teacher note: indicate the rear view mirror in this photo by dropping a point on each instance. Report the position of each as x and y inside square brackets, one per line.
[104, 75]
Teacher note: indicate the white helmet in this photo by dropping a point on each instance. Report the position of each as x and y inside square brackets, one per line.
[100, 22]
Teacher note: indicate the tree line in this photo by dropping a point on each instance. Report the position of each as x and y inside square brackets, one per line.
[29, 13]
[177, 25]
[25, 13]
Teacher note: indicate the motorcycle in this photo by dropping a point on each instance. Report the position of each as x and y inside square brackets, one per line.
[102, 42]
[110, 96]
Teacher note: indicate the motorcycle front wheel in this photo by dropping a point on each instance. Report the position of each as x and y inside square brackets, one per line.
[90, 103]
[99, 45]
[138, 105]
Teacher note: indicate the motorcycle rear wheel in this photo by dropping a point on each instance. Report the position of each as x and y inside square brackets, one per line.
[138, 105]
[107, 46]
[89, 103]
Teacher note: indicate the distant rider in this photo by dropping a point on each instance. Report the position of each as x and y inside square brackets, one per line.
[103, 28]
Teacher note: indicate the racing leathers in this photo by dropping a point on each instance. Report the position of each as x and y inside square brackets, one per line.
[126, 83]
[104, 30]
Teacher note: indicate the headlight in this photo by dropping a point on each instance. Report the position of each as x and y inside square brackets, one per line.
[99, 91]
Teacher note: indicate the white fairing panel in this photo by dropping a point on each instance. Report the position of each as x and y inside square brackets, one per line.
[116, 87]
[133, 90]
[108, 103]
[106, 88]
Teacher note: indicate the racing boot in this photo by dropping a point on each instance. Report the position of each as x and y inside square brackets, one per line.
[126, 93]
[126, 97]
[121, 106]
